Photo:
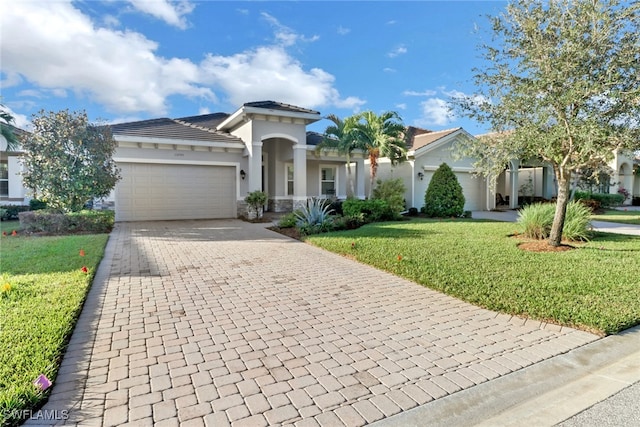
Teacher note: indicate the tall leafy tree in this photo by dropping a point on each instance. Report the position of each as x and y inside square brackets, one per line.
[69, 161]
[7, 119]
[562, 84]
[381, 136]
[342, 137]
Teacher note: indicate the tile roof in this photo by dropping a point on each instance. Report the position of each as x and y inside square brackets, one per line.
[210, 121]
[273, 105]
[314, 138]
[173, 129]
[425, 139]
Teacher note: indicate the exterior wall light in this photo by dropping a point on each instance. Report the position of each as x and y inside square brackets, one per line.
[420, 175]
[243, 174]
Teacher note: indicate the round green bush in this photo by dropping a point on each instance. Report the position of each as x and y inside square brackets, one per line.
[444, 197]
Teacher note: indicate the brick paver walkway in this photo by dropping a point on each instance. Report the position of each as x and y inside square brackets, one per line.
[224, 322]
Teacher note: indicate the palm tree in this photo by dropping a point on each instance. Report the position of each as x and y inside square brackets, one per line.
[6, 119]
[381, 136]
[341, 136]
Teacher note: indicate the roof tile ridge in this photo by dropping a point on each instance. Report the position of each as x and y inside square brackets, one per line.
[194, 126]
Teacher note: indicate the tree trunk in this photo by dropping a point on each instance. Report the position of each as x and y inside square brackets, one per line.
[373, 161]
[563, 176]
[350, 189]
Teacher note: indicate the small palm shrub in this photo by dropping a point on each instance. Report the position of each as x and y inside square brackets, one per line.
[256, 200]
[313, 217]
[537, 219]
[444, 197]
[391, 191]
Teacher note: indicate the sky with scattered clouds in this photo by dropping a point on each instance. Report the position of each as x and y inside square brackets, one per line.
[139, 59]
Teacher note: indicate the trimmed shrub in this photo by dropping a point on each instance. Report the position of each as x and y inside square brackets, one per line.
[336, 207]
[593, 205]
[606, 200]
[444, 197]
[12, 211]
[51, 222]
[372, 210]
[348, 222]
[37, 205]
[391, 191]
[288, 221]
[537, 219]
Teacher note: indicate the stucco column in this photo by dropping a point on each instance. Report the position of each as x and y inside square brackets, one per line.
[299, 175]
[360, 174]
[254, 175]
[548, 189]
[513, 197]
[490, 193]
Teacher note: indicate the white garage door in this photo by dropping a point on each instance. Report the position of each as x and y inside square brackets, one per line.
[164, 192]
[474, 190]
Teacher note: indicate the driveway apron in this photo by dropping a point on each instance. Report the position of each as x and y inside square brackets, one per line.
[227, 323]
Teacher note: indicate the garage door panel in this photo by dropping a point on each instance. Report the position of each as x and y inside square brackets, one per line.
[164, 192]
[473, 190]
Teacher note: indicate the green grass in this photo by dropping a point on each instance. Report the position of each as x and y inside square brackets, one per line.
[38, 314]
[9, 226]
[614, 215]
[595, 287]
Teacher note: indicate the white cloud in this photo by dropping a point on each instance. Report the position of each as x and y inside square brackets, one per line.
[400, 50]
[269, 72]
[389, 70]
[435, 111]
[343, 31]
[19, 120]
[171, 12]
[401, 106]
[204, 110]
[285, 36]
[121, 70]
[118, 69]
[416, 93]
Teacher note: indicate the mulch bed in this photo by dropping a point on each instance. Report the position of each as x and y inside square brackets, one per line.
[542, 246]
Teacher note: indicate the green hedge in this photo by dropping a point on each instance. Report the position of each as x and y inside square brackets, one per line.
[12, 211]
[49, 222]
[606, 200]
[372, 209]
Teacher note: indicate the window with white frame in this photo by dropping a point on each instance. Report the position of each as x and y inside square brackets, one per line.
[328, 181]
[4, 179]
[289, 180]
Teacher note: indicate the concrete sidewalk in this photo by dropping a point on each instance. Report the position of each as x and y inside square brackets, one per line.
[220, 323]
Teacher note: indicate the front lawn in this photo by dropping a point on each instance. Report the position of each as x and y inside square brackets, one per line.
[595, 287]
[614, 215]
[42, 289]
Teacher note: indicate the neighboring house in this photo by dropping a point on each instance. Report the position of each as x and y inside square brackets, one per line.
[427, 150]
[12, 191]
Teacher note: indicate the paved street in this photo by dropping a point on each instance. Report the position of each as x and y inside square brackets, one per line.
[224, 322]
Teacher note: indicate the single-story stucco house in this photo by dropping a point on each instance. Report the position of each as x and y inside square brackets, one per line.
[202, 167]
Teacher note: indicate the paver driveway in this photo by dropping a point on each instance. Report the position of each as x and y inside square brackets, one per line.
[225, 322]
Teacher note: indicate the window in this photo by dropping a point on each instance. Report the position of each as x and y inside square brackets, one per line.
[328, 181]
[4, 179]
[289, 180]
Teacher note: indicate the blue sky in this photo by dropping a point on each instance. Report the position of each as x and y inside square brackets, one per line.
[139, 59]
